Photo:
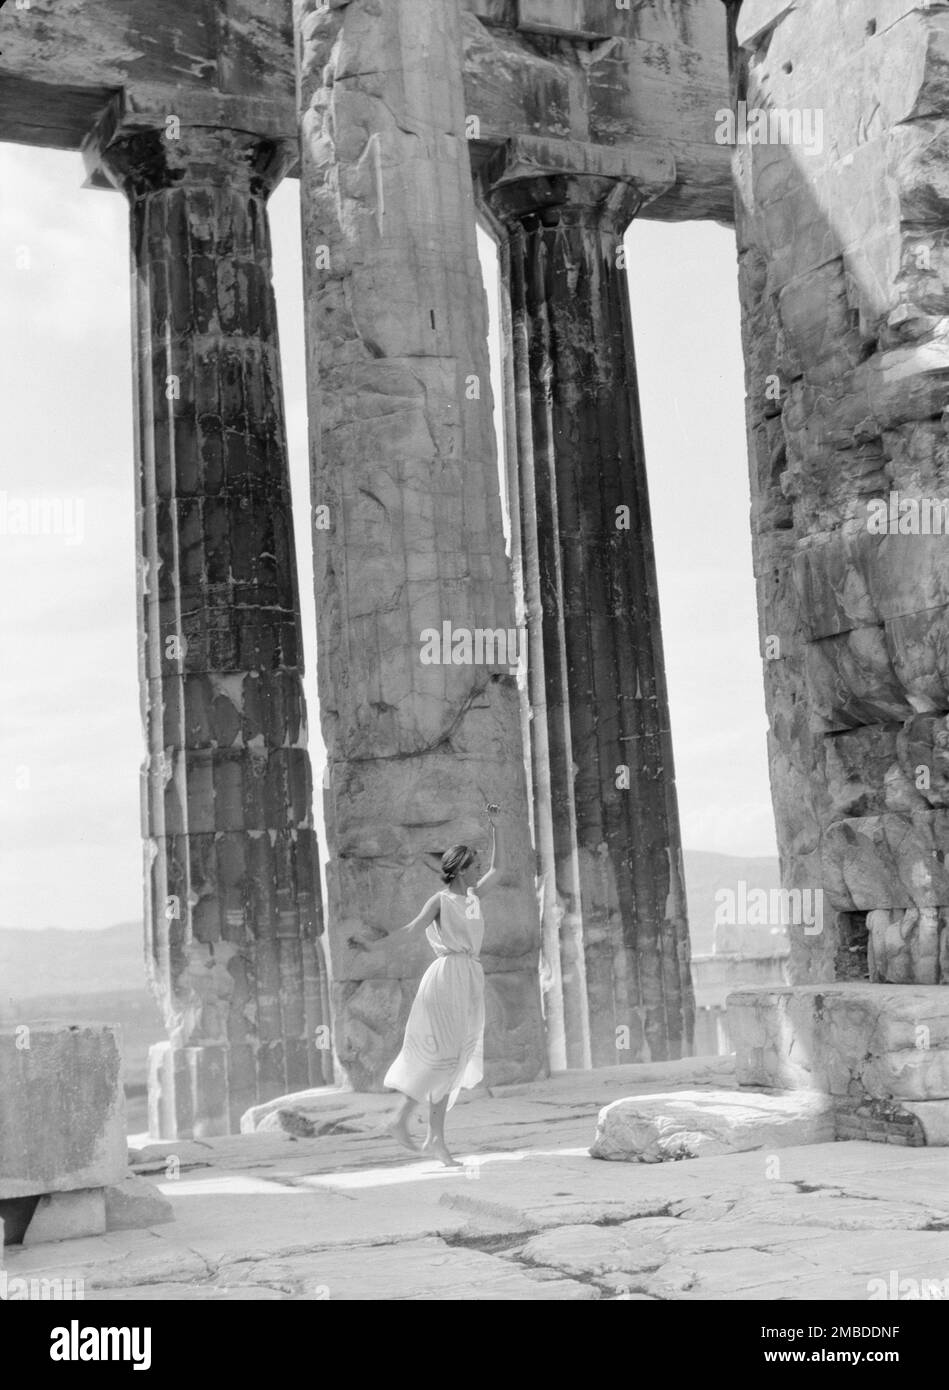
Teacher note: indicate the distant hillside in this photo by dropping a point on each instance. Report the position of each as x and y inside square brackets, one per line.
[706, 873]
[55, 961]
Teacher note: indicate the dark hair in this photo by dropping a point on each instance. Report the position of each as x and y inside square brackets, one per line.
[454, 860]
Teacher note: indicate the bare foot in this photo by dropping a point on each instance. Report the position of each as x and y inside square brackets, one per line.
[439, 1149]
[398, 1130]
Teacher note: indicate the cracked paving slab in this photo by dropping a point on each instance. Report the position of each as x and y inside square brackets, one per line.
[347, 1215]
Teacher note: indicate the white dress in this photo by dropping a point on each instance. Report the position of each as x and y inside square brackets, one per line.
[443, 1049]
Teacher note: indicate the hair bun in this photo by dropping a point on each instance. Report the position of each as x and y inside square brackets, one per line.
[454, 861]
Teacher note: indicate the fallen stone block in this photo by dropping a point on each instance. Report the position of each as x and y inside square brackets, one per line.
[885, 1042]
[703, 1124]
[67, 1216]
[321, 1110]
[63, 1108]
[134, 1203]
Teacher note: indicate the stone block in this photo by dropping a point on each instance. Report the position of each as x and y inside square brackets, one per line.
[63, 1108]
[933, 1119]
[887, 861]
[851, 681]
[908, 946]
[850, 1040]
[67, 1216]
[703, 1124]
[134, 1203]
[922, 746]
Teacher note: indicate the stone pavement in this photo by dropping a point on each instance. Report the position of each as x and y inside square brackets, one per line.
[345, 1215]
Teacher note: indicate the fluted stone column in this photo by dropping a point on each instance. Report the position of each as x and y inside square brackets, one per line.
[408, 536]
[602, 749]
[233, 902]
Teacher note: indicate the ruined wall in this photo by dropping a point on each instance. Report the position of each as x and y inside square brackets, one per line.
[842, 237]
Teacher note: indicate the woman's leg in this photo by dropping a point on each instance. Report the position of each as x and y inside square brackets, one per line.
[435, 1142]
[399, 1128]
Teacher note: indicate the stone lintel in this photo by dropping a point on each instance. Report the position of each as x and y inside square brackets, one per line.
[151, 107]
[575, 19]
[580, 20]
[657, 69]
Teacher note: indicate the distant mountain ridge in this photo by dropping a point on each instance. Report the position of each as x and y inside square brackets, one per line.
[706, 873]
[55, 961]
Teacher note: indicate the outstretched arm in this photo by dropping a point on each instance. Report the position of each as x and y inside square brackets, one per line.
[401, 934]
[493, 877]
[428, 914]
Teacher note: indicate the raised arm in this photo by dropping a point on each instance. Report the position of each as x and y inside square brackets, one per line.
[493, 877]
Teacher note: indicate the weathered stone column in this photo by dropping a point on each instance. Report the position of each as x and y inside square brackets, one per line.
[602, 746]
[408, 537]
[233, 902]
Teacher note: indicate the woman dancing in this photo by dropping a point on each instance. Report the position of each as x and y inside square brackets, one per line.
[443, 1049]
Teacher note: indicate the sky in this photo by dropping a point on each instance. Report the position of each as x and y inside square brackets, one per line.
[70, 727]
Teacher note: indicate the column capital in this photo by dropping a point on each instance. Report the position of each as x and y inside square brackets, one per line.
[610, 184]
[151, 137]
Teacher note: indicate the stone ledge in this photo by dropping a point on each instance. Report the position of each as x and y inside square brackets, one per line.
[856, 1040]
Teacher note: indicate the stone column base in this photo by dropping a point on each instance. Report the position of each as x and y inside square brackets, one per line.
[188, 1092]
